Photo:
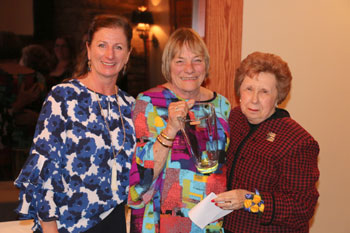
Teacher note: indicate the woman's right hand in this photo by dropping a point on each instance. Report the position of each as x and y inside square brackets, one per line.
[231, 200]
[176, 111]
[161, 152]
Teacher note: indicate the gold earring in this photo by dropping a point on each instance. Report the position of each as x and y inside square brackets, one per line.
[124, 69]
[89, 65]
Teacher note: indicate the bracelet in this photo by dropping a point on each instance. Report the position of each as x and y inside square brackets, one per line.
[162, 143]
[253, 203]
[166, 136]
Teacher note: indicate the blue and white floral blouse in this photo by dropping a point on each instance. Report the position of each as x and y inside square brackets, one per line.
[67, 176]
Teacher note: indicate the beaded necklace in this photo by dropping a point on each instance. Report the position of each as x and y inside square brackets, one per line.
[114, 186]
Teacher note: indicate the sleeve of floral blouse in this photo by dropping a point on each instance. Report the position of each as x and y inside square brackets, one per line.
[40, 178]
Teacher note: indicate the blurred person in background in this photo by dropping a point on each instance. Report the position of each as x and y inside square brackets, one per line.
[64, 58]
[24, 90]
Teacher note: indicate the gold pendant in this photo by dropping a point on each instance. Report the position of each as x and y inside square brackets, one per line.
[114, 176]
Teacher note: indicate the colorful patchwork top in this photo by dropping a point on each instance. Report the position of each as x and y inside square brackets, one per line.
[162, 205]
[67, 176]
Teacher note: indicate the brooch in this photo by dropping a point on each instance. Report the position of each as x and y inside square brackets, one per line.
[270, 136]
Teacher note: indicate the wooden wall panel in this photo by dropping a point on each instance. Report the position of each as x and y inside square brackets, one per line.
[223, 36]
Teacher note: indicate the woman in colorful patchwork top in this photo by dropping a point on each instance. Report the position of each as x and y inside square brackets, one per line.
[164, 182]
[77, 176]
[272, 160]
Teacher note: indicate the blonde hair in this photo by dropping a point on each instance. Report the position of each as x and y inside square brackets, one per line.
[178, 39]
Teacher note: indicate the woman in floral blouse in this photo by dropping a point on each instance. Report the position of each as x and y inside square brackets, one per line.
[77, 176]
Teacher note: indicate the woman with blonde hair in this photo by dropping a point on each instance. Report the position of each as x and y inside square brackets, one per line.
[164, 181]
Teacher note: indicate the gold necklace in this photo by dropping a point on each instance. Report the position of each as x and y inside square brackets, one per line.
[114, 167]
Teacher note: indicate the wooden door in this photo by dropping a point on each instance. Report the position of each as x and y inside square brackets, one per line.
[223, 36]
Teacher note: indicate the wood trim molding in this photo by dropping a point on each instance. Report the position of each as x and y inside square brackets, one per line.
[223, 36]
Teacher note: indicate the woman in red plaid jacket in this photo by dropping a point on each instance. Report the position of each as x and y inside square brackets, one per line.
[272, 160]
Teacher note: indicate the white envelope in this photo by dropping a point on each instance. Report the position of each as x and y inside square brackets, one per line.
[206, 212]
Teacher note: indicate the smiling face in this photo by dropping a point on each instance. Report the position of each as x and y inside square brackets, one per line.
[258, 97]
[108, 52]
[187, 71]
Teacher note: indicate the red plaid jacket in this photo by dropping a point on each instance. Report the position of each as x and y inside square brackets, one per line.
[279, 159]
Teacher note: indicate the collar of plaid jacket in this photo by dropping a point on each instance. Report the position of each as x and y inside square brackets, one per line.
[279, 113]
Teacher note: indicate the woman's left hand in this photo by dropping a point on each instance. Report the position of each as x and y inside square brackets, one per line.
[231, 200]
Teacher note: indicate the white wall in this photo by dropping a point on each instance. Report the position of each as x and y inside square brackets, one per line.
[313, 37]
